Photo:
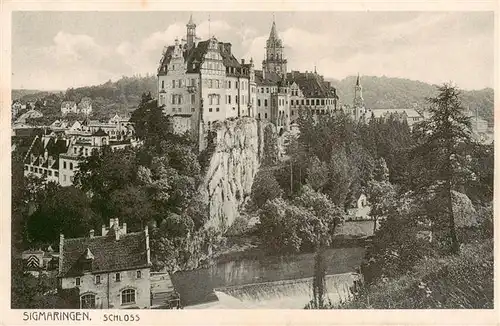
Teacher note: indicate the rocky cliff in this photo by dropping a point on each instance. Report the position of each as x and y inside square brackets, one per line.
[239, 146]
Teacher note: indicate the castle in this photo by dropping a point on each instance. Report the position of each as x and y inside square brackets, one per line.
[202, 82]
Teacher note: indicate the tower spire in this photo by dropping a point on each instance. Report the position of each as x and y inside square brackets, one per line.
[357, 81]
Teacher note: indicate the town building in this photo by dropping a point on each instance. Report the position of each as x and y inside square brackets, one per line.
[111, 271]
[69, 107]
[56, 155]
[202, 82]
[83, 107]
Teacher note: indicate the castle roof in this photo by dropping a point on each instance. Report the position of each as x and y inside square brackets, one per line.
[100, 132]
[109, 254]
[312, 84]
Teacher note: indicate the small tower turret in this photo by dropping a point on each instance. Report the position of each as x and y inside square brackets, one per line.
[190, 33]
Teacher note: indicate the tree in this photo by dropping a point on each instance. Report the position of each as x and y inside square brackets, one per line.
[264, 188]
[64, 210]
[317, 174]
[133, 206]
[440, 148]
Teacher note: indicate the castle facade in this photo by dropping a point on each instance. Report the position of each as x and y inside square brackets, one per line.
[202, 82]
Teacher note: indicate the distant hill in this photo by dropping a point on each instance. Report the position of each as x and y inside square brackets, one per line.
[386, 92]
[122, 96]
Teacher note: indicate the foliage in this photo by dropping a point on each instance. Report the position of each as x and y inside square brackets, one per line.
[195, 250]
[464, 281]
[238, 227]
[444, 165]
[270, 151]
[264, 188]
[306, 223]
[60, 210]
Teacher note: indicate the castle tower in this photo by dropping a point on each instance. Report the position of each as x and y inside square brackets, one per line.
[190, 33]
[275, 61]
[359, 102]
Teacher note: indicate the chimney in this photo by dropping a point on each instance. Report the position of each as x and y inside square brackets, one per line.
[116, 228]
[103, 231]
[61, 252]
[148, 252]
[242, 61]
[91, 233]
[124, 228]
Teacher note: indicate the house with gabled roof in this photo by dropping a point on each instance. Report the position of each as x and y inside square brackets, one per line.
[111, 271]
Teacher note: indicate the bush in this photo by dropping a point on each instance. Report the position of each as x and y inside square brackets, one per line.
[458, 282]
[239, 226]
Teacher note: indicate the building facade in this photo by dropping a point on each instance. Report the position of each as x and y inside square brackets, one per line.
[111, 271]
[203, 82]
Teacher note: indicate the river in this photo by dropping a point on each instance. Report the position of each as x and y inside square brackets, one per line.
[266, 282]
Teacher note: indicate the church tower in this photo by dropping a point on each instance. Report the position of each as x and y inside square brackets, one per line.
[275, 61]
[191, 34]
[359, 102]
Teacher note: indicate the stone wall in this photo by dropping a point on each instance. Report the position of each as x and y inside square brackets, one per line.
[239, 145]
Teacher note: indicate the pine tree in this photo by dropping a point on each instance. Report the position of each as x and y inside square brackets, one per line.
[440, 155]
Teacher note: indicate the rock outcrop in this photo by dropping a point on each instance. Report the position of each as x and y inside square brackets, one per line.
[239, 146]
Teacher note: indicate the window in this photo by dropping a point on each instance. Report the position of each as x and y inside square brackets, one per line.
[236, 85]
[192, 109]
[229, 99]
[64, 177]
[193, 82]
[26, 167]
[50, 172]
[179, 82]
[77, 281]
[173, 83]
[128, 296]
[87, 301]
[229, 86]
[162, 84]
[193, 98]
[217, 109]
[265, 115]
[117, 277]
[265, 102]
[258, 115]
[56, 173]
[302, 102]
[236, 99]
[209, 109]
[98, 279]
[218, 100]
[74, 150]
[71, 166]
[31, 169]
[139, 274]
[267, 89]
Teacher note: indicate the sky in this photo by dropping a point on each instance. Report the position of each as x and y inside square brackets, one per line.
[57, 50]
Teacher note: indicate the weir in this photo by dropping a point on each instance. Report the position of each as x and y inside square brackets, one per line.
[288, 294]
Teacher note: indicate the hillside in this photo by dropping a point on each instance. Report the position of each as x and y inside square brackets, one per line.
[385, 92]
[121, 97]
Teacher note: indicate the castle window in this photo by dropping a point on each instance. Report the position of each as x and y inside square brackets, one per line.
[71, 166]
[162, 84]
[292, 113]
[258, 102]
[229, 86]
[267, 89]
[229, 99]
[217, 109]
[128, 296]
[265, 102]
[265, 115]
[173, 83]
[192, 109]
[236, 85]
[139, 274]
[262, 90]
[98, 279]
[302, 102]
[87, 301]
[323, 102]
[209, 109]
[317, 101]
[218, 99]
[117, 277]
[258, 115]
[77, 281]
[234, 108]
